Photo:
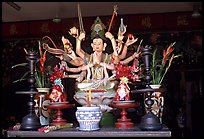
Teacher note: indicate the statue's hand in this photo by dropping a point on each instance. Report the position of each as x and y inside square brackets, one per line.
[45, 45]
[85, 67]
[65, 41]
[136, 55]
[80, 78]
[81, 36]
[105, 80]
[108, 35]
[102, 64]
[74, 32]
[131, 41]
[63, 64]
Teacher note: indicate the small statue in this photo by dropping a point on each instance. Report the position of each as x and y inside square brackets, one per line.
[123, 91]
[57, 94]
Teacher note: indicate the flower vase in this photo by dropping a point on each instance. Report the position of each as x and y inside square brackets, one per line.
[88, 118]
[42, 99]
[158, 98]
[155, 86]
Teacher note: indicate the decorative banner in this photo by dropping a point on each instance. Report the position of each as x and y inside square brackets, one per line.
[154, 21]
[41, 28]
[145, 22]
[15, 29]
[181, 21]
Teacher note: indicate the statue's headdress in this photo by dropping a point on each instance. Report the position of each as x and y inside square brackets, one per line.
[98, 29]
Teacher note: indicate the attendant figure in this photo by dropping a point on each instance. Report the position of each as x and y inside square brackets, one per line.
[123, 91]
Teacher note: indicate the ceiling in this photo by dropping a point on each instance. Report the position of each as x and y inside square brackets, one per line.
[49, 10]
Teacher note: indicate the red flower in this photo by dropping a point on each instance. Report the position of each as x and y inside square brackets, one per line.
[164, 52]
[164, 61]
[42, 61]
[170, 50]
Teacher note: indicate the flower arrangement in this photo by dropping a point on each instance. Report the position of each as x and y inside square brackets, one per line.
[40, 72]
[159, 67]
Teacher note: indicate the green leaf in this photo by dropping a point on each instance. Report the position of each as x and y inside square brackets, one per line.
[22, 78]
[38, 80]
[19, 80]
[19, 65]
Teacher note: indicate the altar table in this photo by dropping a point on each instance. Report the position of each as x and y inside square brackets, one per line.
[103, 132]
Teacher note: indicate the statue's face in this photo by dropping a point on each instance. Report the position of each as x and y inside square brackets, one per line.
[98, 44]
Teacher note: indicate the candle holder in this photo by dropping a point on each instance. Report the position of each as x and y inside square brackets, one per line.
[30, 121]
[149, 121]
[124, 122]
[59, 106]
